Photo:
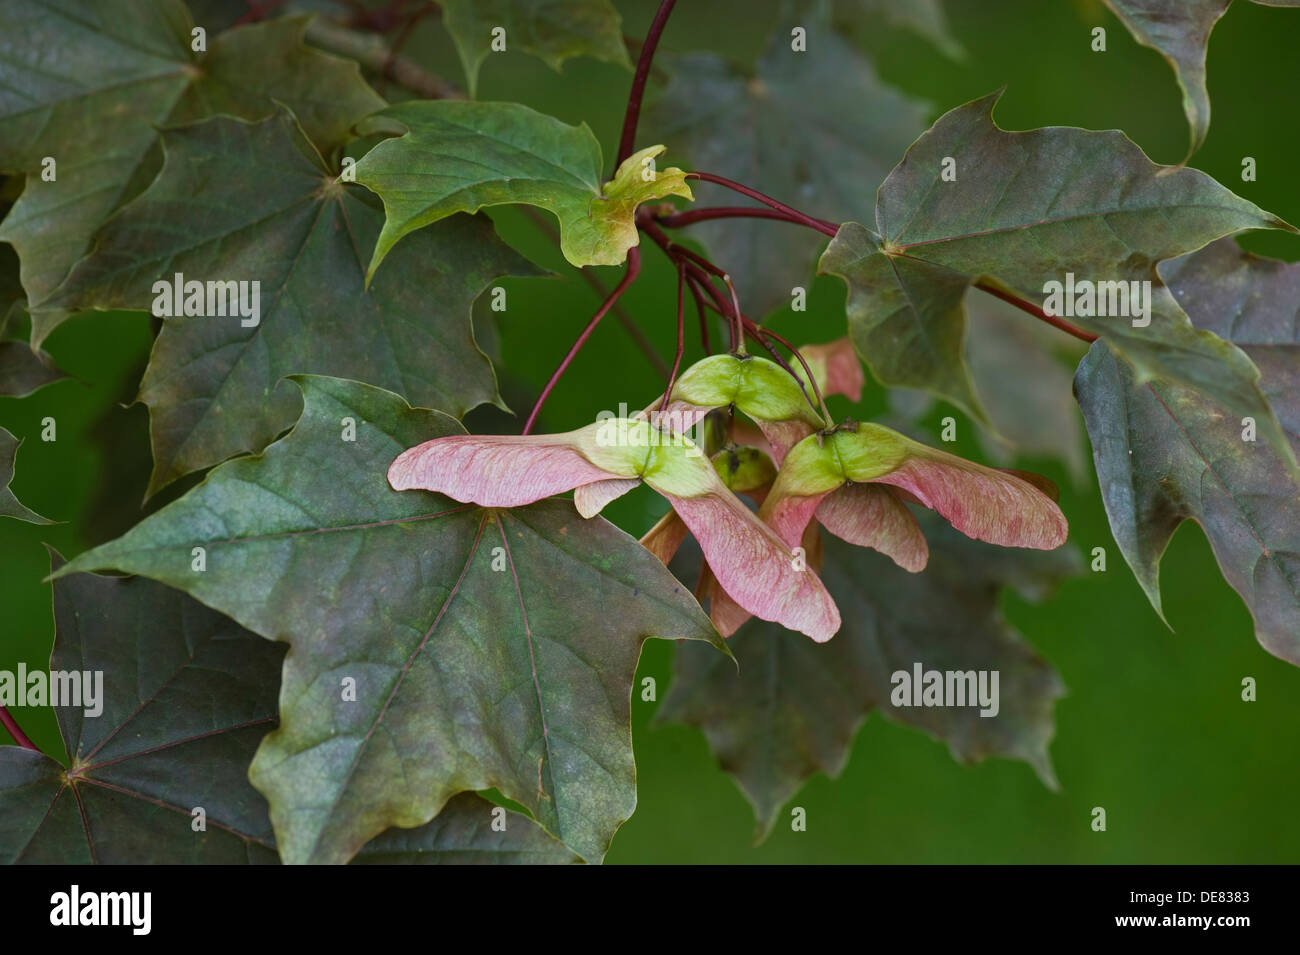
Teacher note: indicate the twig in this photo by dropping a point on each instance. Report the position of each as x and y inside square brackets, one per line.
[704, 318]
[681, 335]
[629, 276]
[373, 53]
[690, 216]
[16, 731]
[821, 225]
[1035, 311]
[633, 114]
[821, 400]
[735, 308]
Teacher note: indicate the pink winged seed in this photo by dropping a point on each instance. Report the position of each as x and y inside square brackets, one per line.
[789, 514]
[982, 503]
[844, 375]
[871, 515]
[493, 470]
[755, 568]
[590, 499]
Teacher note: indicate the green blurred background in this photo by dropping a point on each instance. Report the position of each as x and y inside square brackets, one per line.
[1153, 728]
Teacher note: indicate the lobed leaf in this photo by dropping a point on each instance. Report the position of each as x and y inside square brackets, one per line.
[461, 156]
[795, 706]
[463, 834]
[23, 369]
[923, 17]
[94, 98]
[551, 30]
[489, 648]
[1166, 453]
[1179, 30]
[255, 203]
[1026, 209]
[187, 695]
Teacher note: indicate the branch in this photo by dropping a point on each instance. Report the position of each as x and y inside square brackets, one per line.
[1035, 311]
[373, 53]
[690, 216]
[757, 332]
[704, 318]
[821, 225]
[673, 250]
[812, 380]
[16, 731]
[629, 276]
[681, 334]
[630, 118]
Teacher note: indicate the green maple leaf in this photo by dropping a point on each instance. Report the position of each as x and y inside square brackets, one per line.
[179, 734]
[94, 100]
[551, 30]
[1179, 30]
[255, 202]
[1166, 453]
[461, 157]
[795, 706]
[488, 648]
[781, 129]
[10, 506]
[1026, 208]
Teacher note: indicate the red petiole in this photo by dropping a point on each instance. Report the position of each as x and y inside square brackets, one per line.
[696, 272]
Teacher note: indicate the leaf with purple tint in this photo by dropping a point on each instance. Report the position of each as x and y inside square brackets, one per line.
[438, 647]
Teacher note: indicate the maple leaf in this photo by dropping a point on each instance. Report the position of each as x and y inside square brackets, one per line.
[489, 648]
[1095, 206]
[461, 157]
[273, 214]
[1166, 453]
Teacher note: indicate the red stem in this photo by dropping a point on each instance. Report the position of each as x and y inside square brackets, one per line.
[759, 335]
[700, 282]
[821, 225]
[674, 250]
[690, 216]
[735, 308]
[629, 276]
[681, 334]
[16, 731]
[1035, 311]
[632, 116]
[821, 400]
[704, 318]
